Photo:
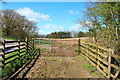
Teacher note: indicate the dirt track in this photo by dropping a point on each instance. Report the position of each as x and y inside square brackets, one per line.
[62, 63]
[58, 67]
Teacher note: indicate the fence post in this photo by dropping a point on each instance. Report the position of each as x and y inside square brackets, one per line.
[33, 42]
[3, 53]
[97, 56]
[79, 44]
[39, 51]
[109, 63]
[52, 46]
[26, 40]
[19, 48]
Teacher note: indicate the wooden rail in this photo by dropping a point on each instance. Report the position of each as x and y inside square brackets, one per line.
[101, 58]
[12, 50]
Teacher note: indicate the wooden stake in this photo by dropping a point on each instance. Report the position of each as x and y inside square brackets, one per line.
[109, 63]
[79, 50]
[26, 40]
[3, 53]
[33, 43]
[19, 48]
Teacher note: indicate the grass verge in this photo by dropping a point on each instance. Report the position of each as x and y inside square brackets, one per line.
[16, 64]
[87, 65]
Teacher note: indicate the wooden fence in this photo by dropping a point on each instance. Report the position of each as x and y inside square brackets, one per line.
[12, 50]
[103, 59]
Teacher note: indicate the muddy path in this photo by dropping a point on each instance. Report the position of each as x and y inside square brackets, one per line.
[57, 67]
[62, 63]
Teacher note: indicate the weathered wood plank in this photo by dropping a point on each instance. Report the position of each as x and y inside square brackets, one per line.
[10, 41]
[22, 44]
[104, 68]
[3, 54]
[93, 59]
[115, 66]
[87, 52]
[102, 60]
[23, 41]
[9, 47]
[105, 49]
[11, 51]
[115, 56]
[89, 60]
[11, 60]
[117, 73]
[23, 52]
[113, 76]
[19, 48]
[91, 53]
[98, 52]
[22, 48]
[102, 72]
[10, 56]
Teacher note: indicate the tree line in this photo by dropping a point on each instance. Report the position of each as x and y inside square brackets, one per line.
[68, 34]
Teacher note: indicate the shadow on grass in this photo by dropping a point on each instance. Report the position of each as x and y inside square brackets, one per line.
[30, 64]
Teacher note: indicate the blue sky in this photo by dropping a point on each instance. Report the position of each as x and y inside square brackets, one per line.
[53, 0]
[51, 16]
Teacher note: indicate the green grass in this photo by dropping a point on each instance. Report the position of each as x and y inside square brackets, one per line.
[76, 50]
[9, 38]
[14, 65]
[89, 67]
[38, 42]
[16, 52]
[85, 63]
[43, 50]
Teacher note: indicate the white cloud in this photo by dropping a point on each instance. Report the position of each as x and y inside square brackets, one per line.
[32, 15]
[39, 31]
[43, 32]
[73, 12]
[53, 27]
[49, 28]
[76, 27]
